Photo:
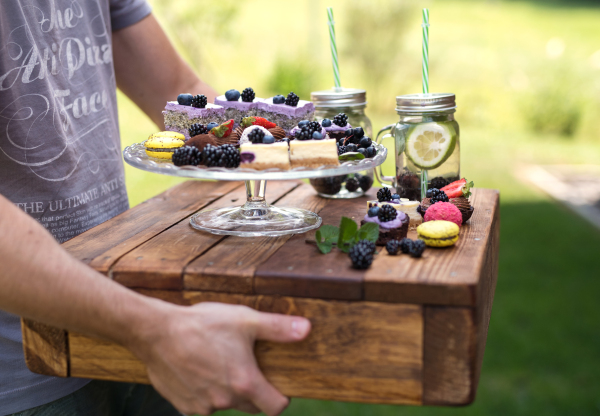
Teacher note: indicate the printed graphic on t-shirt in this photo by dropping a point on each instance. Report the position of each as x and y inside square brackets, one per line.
[60, 157]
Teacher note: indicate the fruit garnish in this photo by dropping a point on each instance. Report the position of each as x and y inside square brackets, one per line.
[292, 99]
[458, 188]
[232, 95]
[199, 101]
[257, 121]
[341, 120]
[429, 144]
[248, 95]
[224, 130]
[279, 99]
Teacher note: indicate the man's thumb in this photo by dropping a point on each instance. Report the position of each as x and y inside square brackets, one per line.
[281, 328]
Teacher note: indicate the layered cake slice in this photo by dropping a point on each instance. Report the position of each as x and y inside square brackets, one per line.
[313, 153]
[261, 156]
[238, 106]
[179, 118]
[286, 112]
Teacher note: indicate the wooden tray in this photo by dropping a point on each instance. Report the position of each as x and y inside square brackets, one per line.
[405, 331]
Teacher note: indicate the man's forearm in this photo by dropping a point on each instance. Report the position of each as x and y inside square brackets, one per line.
[41, 281]
[149, 70]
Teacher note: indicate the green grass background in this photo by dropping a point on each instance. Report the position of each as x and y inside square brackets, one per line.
[520, 101]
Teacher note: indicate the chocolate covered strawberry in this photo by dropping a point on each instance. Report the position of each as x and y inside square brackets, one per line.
[257, 121]
[223, 130]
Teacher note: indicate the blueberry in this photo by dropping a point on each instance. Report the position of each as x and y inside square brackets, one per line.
[232, 95]
[371, 152]
[184, 99]
[279, 99]
[317, 135]
[211, 125]
[268, 139]
[359, 132]
[349, 132]
[396, 196]
[373, 211]
[326, 122]
[351, 147]
[302, 123]
[362, 151]
[365, 142]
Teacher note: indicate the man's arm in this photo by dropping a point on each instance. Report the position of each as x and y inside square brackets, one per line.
[200, 358]
[149, 70]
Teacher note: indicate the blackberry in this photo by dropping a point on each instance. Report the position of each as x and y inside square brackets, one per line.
[187, 155]
[352, 184]
[406, 245]
[196, 129]
[438, 182]
[392, 247]
[384, 195]
[256, 136]
[387, 213]
[362, 254]
[292, 99]
[341, 150]
[327, 186]
[440, 196]
[199, 101]
[341, 120]
[248, 95]
[417, 248]
[314, 126]
[231, 156]
[365, 182]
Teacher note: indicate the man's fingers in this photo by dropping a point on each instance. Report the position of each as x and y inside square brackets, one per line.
[281, 328]
[266, 397]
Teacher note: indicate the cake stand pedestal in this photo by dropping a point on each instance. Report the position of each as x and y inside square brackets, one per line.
[256, 218]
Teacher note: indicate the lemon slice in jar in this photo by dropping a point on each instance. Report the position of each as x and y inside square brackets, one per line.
[428, 145]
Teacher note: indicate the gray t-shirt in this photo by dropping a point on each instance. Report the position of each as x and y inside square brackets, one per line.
[60, 158]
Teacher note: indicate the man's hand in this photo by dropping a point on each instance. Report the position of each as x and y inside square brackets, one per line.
[201, 358]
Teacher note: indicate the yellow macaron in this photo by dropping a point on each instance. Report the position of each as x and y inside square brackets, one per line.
[161, 145]
[438, 233]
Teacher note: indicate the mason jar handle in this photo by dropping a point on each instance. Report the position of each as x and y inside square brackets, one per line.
[378, 172]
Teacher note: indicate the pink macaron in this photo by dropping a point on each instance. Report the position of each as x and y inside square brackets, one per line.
[443, 211]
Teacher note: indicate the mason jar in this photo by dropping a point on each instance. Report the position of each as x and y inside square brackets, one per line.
[353, 103]
[427, 144]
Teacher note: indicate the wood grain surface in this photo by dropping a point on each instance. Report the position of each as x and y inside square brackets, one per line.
[443, 276]
[340, 360]
[159, 262]
[46, 350]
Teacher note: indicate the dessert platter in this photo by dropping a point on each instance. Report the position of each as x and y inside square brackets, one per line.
[244, 138]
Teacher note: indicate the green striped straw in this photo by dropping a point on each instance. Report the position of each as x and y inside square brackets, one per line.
[334, 54]
[425, 51]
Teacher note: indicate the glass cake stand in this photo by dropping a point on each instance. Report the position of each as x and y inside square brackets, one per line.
[255, 218]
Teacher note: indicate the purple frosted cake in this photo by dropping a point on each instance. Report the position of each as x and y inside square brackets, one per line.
[238, 109]
[179, 117]
[391, 227]
[284, 115]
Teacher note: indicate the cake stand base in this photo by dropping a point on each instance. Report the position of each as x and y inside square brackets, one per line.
[255, 218]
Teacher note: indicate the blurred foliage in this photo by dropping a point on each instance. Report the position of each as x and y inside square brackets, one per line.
[552, 110]
[291, 74]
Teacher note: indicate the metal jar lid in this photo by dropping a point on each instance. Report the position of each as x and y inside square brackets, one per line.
[345, 97]
[423, 103]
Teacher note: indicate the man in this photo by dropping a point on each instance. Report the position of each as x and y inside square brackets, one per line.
[60, 164]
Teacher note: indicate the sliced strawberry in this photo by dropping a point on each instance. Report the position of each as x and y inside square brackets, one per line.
[258, 121]
[458, 188]
[223, 130]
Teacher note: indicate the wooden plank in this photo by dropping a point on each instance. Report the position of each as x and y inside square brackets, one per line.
[357, 351]
[159, 262]
[449, 340]
[485, 297]
[299, 269]
[448, 276]
[104, 244]
[230, 265]
[46, 350]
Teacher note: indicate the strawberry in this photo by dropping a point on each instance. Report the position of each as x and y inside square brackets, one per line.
[223, 130]
[458, 188]
[258, 121]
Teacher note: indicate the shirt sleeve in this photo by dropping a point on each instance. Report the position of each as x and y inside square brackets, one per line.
[125, 13]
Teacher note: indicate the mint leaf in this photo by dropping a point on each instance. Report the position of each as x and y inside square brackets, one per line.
[326, 236]
[350, 156]
[348, 229]
[369, 231]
